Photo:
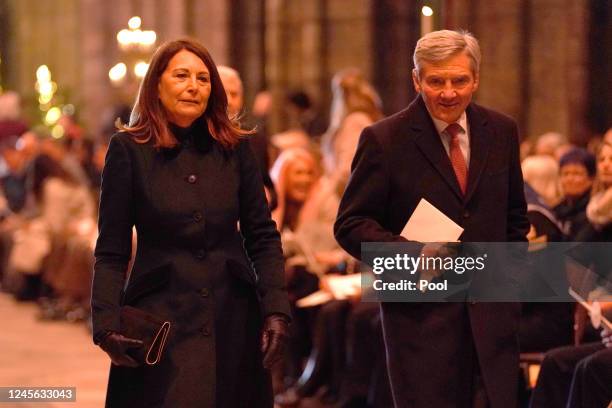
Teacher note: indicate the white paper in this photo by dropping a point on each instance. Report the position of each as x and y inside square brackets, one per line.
[428, 224]
[314, 299]
[592, 310]
[339, 287]
[344, 286]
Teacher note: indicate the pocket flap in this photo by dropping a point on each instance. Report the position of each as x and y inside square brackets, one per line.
[147, 283]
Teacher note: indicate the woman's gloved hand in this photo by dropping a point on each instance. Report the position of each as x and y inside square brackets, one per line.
[273, 338]
[116, 346]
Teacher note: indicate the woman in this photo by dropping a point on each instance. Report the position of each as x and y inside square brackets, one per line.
[355, 105]
[306, 212]
[66, 206]
[39, 249]
[184, 178]
[295, 174]
[576, 173]
[296, 178]
[599, 209]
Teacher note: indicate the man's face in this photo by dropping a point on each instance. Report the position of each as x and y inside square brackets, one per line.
[233, 90]
[446, 86]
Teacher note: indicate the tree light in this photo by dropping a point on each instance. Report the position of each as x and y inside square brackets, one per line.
[117, 72]
[140, 69]
[134, 22]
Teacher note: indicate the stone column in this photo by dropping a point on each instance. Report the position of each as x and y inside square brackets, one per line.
[395, 33]
[308, 42]
[173, 18]
[558, 70]
[210, 26]
[246, 50]
[95, 88]
[498, 28]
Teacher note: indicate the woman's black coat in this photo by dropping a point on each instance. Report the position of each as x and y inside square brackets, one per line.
[202, 220]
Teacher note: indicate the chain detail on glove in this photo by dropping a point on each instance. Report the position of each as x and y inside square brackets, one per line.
[273, 339]
[116, 346]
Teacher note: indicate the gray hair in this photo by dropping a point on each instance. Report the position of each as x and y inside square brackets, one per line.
[440, 45]
[541, 172]
[228, 72]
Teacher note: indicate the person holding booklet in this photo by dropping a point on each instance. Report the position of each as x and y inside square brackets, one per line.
[463, 159]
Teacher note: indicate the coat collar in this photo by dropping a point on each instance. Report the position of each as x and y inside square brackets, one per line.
[428, 141]
[196, 135]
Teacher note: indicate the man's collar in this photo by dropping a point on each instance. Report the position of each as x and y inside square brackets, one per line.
[441, 125]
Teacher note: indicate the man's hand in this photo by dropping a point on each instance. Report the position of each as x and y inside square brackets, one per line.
[434, 250]
[273, 339]
[116, 346]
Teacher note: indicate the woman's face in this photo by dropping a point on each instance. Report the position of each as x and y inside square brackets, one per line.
[575, 180]
[604, 165]
[184, 88]
[300, 178]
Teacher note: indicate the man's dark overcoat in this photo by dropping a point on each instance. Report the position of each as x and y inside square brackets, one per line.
[208, 259]
[432, 348]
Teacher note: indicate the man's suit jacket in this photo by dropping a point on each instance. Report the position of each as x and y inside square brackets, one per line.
[432, 348]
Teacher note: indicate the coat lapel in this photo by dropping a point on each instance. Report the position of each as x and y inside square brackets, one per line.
[428, 141]
[480, 136]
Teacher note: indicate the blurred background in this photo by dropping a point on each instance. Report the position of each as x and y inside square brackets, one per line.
[546, 63]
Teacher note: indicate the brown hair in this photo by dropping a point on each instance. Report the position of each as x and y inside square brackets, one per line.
[598, 185]
[149, 120]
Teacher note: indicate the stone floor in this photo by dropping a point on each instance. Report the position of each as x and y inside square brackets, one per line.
[35, 353]
[38, 354]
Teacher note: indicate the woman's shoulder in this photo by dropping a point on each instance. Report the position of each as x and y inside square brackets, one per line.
[125, 139]
[125, 143]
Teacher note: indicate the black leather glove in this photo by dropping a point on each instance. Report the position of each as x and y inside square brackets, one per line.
[273, 339]
[116, 346]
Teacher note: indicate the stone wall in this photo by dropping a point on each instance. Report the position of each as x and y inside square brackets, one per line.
[535, 55]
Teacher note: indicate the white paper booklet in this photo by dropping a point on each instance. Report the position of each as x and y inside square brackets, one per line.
[428, 224]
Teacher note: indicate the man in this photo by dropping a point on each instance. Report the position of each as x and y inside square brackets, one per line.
[463, 159]
[233, 89]
[259, 141]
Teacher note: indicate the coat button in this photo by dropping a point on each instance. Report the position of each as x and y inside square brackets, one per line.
[204, 292]
[192, 178]
[197, 216]
[200, 253]
[205, 331]
[466, 214]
